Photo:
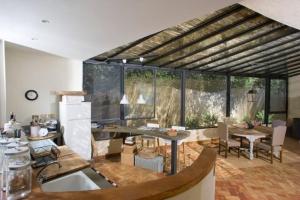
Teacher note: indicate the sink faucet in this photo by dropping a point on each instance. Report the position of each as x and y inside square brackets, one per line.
[40, 176]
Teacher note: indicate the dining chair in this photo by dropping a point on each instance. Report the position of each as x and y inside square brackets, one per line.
[275, 143]
[225, 141]
[276, 123]
[150, 139]
[228, 120]
[180, 143]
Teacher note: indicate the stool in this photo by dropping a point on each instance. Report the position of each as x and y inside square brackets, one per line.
[155, 164]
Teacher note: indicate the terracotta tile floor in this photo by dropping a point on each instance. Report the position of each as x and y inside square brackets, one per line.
[244, 179]
[258, 179]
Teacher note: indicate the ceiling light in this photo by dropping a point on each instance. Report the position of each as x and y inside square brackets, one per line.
[141, 59]
[141, 99]
[45, 21]
[124, 61]
[34, 38]
[124, 100]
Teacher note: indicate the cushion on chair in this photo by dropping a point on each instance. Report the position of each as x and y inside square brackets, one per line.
[231, 143]
[276, 123]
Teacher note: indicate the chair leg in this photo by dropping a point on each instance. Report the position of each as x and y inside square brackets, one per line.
[178, 158]
[280, 154]
[165, 156]
[183, 148]
[226, 149]
[238, 152]
[219, 146]
[256, 149]
[165, 150]
[271, 155]
[142, 142]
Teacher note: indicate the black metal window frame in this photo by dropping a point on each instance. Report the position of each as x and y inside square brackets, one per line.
[183, 72]
[130, 66]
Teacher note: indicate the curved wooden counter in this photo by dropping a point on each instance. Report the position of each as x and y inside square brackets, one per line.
[155, 190]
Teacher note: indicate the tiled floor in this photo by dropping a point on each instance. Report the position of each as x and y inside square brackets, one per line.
[237, 178]
[257, 179]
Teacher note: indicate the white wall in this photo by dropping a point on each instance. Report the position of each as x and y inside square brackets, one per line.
[204, 190]
[294, 97]
[2, 84]
[31, 69]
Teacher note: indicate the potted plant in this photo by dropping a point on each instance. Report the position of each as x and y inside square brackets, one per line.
[209, 119]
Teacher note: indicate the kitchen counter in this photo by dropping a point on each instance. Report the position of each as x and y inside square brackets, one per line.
[163, 188]
[69, 161]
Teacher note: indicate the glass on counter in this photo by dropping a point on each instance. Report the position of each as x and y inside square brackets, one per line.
[12, 156]
[18, 180]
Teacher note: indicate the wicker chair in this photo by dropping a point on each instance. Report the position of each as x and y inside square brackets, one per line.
[276, 142]
[225, 141]
[151, 139]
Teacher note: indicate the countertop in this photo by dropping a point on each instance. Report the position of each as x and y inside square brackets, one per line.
[69, 161]
[151, 132]
[152, 190]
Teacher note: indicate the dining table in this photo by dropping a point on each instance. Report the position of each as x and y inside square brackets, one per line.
[155, 132]
[250, 134]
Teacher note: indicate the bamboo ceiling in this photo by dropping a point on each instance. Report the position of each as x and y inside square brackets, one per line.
[234, 40]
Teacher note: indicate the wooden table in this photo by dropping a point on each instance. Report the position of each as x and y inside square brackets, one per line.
[51, 135]
[250, 134]
[155, 132]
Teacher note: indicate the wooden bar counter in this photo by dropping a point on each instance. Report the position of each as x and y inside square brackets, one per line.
[163, 188]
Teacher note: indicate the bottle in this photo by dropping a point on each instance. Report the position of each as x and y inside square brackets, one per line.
[11, 116]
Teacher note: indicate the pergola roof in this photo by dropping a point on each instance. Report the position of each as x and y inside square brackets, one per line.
[234, 41]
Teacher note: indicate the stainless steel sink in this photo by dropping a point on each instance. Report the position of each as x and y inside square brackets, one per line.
[77, 181]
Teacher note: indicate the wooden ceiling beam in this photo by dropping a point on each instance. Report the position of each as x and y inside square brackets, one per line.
[131, 45]
[256, 37]
[271, 58]
[271, 64]
[294, 74]
[218, 17]
[244, 32]
[205, 37]
[256, 53]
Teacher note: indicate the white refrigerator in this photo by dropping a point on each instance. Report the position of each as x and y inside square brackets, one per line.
[75, 119]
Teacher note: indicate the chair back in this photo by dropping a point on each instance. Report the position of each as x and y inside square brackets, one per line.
[152, 125]
[278, 135]
[228, 121]
[223, 131]
[276, 123]
[178, 128]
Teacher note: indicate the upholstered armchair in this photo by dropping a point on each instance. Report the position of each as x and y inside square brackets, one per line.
[276, 123]
[275, 144]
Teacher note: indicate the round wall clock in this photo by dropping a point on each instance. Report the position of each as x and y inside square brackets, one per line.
[31, 95]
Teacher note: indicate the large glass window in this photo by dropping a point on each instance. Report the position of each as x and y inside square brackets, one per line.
[139, 84]
[168, 98]
[242, 108]
[278, 95]
[102, 84]
[205, 100]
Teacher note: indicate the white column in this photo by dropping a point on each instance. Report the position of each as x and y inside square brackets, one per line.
[2, 84]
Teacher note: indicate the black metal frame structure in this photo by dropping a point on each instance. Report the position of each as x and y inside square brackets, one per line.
[182, 90]
[243, 43]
